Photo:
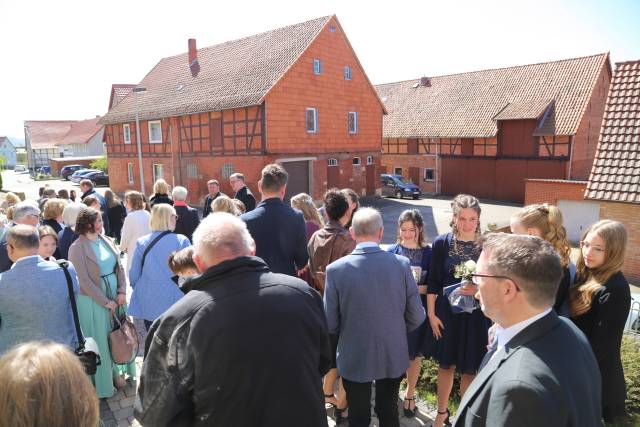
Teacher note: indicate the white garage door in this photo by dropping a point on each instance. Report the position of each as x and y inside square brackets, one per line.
[578, 216]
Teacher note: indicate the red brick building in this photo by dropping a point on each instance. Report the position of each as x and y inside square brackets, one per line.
[485, 132]
[296, 95]
[613, 188]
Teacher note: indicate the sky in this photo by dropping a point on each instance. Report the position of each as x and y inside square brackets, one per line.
[58, 59]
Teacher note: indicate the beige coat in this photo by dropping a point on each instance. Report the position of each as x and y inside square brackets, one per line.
[83, 257]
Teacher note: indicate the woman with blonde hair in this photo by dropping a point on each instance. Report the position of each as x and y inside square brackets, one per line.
[600, 303]
[312, 218]
[160, 193]
[44, 385]
[48, 243]
[545, 221]
[52, 213]
[154, 291]
[10, 199]
[223, 203]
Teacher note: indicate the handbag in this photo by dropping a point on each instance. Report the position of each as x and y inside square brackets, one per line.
[87, 350]
[123, 339]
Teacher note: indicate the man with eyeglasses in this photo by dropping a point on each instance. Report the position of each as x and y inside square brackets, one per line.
[26, 212]
[540, 369]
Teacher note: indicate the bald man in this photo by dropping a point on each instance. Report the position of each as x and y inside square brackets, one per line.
[244, 347]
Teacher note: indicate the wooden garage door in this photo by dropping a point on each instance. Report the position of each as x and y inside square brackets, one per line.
[333, 176]
[298, 178]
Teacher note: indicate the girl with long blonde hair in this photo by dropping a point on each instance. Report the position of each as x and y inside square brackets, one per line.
[312, 218]
[600, 303]
[545, 221]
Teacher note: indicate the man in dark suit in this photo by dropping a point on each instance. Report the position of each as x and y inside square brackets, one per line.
[244, 347]
[188, 219]
[540, 370]
[25, 212]
[278, 230]
[242, 192]
[214, 192]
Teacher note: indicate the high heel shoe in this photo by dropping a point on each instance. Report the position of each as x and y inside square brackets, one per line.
[408, 412]
[340, 414]
[446, 421]
[331, 404]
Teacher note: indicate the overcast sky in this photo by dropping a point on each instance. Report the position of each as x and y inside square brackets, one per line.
[58, 59]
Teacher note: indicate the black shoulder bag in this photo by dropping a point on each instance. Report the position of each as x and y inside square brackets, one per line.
[87, 350]
[151, 245]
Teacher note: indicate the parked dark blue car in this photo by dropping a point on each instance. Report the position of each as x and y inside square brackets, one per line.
[399, 187]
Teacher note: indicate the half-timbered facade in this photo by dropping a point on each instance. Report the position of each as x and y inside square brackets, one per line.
[295, 95]
[485, 132]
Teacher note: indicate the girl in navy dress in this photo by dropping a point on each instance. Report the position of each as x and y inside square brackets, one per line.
[456, 341]
[412, 244]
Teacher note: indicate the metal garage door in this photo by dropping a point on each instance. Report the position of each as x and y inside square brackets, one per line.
[578, 216]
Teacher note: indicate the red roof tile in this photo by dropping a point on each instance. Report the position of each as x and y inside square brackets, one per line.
[233, 74]
[43, 134]
[615, 174]
[467, 105]
[118, 92]
[81, 132]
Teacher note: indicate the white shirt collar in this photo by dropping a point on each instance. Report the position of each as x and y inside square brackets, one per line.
[505, 335]
[363, 245]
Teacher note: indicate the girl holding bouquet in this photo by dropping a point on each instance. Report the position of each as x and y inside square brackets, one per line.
[458, 341]
[412, 244]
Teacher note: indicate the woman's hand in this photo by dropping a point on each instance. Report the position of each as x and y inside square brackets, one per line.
[121, 299]
[422, 289]
[468, 289]
[436, 326]
[111, 305]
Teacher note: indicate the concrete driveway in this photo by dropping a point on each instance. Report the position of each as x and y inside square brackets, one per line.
[22, 182]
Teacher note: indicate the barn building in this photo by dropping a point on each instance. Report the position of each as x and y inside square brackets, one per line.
[484, 132]
[296, 95]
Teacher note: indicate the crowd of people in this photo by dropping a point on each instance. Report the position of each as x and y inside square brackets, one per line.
[269, 313]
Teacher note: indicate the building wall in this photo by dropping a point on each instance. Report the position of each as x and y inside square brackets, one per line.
[8, 151]
[390, 162]
[585, 140]
[331, 95]
[629, 215]
[552, 190]
[95, 147]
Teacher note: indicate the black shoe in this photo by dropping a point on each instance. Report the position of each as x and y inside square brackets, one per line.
[339, 414]
[408, 412]
[326, 396]
[447, 421]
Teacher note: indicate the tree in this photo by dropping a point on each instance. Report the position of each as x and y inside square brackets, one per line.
[100, 163]
[3, 161]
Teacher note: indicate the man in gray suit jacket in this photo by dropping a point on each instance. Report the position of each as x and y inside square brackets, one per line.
[371, 301]
[540, 370]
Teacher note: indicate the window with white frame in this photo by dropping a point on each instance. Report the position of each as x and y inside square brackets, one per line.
[158, 171]
[130, 173]
[369, 160]
[428, 174]
[155, 132]
[317, 66]
[347, 72]
[126, 131]
[311, 120]
[353, 122]
[332, 162]
[356, 161]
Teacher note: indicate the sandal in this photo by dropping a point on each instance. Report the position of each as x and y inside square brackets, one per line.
[331, 404]
[341, 414]
[408, 412]
[446, 421]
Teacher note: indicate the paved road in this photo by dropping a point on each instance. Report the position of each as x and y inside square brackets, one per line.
[23, 183]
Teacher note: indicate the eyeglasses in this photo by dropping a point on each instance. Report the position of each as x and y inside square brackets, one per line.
[587, 245]
[477, 283]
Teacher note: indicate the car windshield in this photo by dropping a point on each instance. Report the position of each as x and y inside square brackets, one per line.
[402, 180]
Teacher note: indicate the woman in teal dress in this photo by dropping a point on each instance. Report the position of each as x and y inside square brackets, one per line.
[102, 290]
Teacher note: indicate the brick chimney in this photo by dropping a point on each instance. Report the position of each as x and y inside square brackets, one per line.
[425, 81]
[194, 66]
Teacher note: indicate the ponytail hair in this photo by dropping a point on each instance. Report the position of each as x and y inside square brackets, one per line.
[589, 281]
[547, 219]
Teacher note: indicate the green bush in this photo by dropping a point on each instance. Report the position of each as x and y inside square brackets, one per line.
[631, 364]
[100, 163]
[0, 181]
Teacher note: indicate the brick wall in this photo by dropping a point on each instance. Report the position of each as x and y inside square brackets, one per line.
[629, 215]
[551, 190]
[404, 161]
[585, 140]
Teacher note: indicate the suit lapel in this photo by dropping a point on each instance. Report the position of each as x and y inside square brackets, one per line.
[489, 367]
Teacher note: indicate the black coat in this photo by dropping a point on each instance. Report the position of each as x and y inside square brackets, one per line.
[188, 221]
[116, 215]
[280, 235]
[604, 325]
[244, 347]
[207, 203]
[65, 238]
[160, 198]
[246, 196]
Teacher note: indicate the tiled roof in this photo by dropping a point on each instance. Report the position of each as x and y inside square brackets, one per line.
[118, 92]
[45, 133]
[466, 105]
[81, 132]
[233, 74]
[615, 174]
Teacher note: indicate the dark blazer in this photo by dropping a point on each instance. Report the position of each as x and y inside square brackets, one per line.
[66, 237]
[207, 203]
[116, 215]
[246, 196]
[244, 347]
[5, 262]
[280, 235]
[188, 220]
[545, 376]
